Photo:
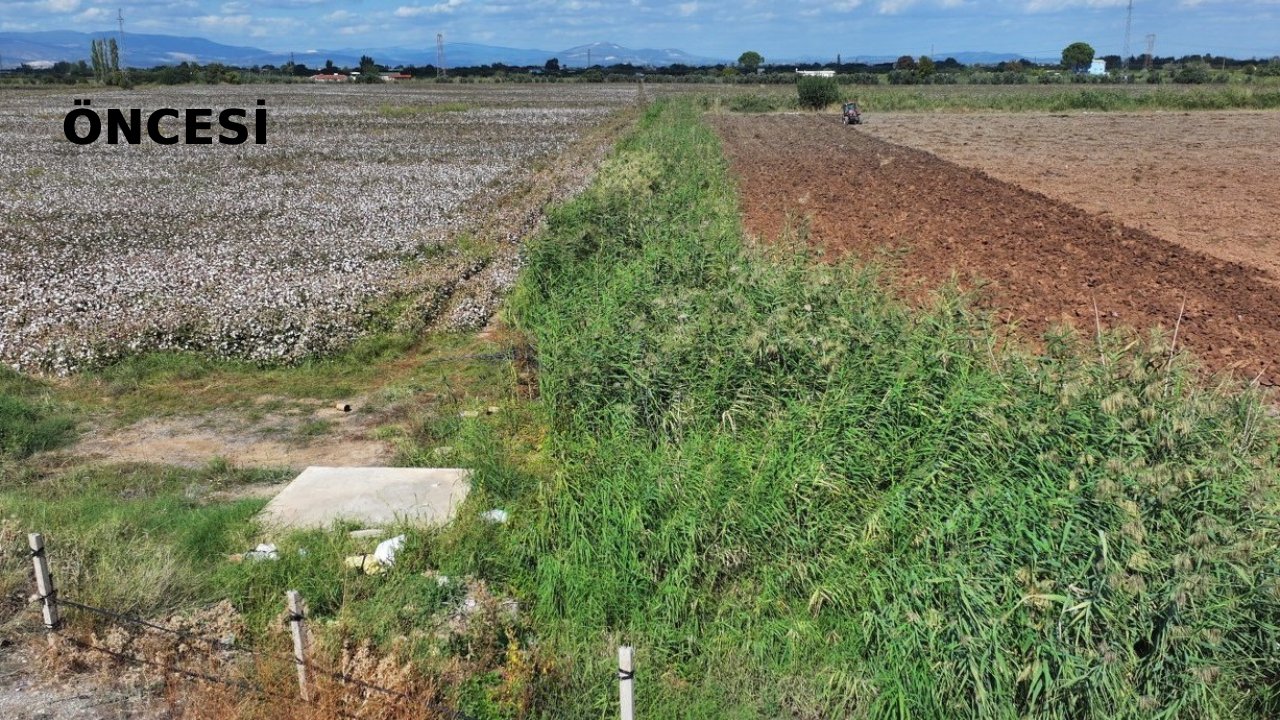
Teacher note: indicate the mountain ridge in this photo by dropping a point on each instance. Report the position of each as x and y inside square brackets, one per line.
[148, 50]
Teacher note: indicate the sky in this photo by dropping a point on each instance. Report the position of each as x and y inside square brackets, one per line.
[714, 28]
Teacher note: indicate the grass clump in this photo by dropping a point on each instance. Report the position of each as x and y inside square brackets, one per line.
[799, 498]
[29, 420]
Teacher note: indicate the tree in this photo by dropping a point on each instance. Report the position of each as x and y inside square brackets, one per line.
[750, 60]
[926, 66]
[329, 67]
[1077, 56]
[105, 56]
[817, 92]
[368, 66]
[553, 65]
[906, 62]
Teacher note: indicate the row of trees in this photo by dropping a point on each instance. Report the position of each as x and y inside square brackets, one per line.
[751, 67]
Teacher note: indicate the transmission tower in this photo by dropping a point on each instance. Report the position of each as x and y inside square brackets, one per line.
[120, 37]
[1151, 49]
[1128, 30]
[441, 71]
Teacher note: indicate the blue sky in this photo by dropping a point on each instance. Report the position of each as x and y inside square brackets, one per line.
[725, 28]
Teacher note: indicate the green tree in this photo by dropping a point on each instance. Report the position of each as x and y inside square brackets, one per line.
[906, 62]
[750, 60]
[553, 65]
[926, 67]
[1077, 56]
[817, 92]
[104, 54]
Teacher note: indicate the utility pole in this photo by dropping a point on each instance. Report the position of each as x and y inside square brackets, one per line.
[1151, 48]
[1128, 30]
[440, 68]
[120, 47]
[588, 57]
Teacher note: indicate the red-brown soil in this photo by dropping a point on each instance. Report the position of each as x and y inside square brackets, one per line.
[1209, 181]
[1043, 261]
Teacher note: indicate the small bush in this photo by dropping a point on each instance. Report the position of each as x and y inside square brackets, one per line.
[817, 92]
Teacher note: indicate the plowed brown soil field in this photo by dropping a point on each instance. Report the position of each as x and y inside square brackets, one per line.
[1042, 261]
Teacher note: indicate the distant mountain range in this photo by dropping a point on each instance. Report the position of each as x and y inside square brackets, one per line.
[139, 50]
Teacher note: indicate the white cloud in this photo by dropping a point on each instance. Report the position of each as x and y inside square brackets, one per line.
[339, 16]
[1053, 5]
[687, 9]
[409, 11]
[93, 14]
[224, 22]
[893, 7]
[62, 6]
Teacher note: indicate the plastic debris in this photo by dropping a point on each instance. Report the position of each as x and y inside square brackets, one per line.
[495, 515]
[386, 551]
[264, 551]
[364, 563]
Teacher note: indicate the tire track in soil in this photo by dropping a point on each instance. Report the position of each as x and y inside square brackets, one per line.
[1044, 261]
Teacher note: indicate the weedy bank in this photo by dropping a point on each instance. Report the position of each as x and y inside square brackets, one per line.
[1008, 98]
[798, 497]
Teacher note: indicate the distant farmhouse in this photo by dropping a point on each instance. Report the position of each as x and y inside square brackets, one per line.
[816, 73]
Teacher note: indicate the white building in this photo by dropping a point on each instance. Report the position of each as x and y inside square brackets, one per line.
[1099, 67]
[816, 73]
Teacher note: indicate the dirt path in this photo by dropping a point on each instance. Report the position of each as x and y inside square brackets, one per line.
[1046, 261]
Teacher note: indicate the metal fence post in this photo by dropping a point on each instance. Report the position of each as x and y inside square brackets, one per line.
[300, 641]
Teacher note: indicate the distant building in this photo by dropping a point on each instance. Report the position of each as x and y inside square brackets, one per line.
[1099, 67]
[396, 77]
[329, 77]
[816, 73]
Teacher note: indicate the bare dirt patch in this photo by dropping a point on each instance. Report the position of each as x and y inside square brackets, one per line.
[1042, 261]
[279, 438]
[1209, 181]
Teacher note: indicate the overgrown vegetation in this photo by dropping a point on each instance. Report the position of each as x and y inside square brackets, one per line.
[801, 499]
[974, 98]
[816, 93]
[30, 420]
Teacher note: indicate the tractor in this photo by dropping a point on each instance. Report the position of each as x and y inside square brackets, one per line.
[850, 114]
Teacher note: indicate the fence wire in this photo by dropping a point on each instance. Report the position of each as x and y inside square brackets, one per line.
[344, 678]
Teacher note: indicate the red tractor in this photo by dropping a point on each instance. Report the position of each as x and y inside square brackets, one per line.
[850, 114]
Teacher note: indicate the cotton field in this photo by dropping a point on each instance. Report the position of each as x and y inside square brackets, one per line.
[262, 252]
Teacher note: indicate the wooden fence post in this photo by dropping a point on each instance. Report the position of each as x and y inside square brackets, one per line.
[300, 642]
[44, 583]
[626, 680]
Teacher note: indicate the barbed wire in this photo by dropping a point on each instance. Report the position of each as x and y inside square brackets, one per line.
[192, 674]
[190, 637]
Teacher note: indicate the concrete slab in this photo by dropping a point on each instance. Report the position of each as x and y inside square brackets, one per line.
[371, 496]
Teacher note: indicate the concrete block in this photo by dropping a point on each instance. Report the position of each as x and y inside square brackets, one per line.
[371, 496]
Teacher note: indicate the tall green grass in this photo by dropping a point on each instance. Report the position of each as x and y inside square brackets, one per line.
[800, 499]
[1014, 98]
[29, 419]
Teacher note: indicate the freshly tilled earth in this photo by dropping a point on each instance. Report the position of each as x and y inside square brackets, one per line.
[1040, 262]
